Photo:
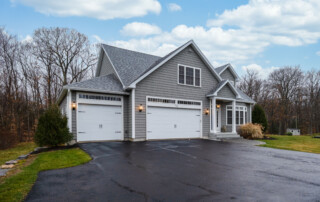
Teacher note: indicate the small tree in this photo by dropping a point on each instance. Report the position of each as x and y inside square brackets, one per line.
[259, 117]
[52, 128]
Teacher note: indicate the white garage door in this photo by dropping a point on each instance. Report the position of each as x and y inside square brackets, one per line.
[167, 123]
[99, 122]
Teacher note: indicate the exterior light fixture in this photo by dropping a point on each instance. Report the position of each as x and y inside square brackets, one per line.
[140, 108]
[73, 105]
[206, 111]
[218, 106]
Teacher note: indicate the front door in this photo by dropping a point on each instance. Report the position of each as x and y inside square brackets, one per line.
[218, 118]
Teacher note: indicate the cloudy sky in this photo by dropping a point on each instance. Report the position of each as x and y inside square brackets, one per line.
[256, 34]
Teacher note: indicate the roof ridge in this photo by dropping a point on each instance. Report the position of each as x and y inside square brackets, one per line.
[125, 49]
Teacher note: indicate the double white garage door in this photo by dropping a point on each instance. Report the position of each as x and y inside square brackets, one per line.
[173, 118]
[100, 118]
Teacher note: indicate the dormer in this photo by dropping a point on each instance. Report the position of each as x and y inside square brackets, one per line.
[227, 72]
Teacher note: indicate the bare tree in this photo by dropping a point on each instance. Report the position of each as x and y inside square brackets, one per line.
[286, 84]
[251, 84]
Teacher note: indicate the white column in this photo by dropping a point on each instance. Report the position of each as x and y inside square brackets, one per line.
[69, 110]
[250, 114]
[234, 130]
[214, 116]
[133, 113]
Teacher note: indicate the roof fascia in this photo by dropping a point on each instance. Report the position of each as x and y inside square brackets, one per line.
[230, 85]
[99, 62]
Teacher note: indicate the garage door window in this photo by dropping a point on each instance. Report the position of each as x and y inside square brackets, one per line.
[99, 97]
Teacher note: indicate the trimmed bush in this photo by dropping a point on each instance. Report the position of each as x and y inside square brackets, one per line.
[289, 133]
[251, 131]
[52, 128]
[259, 117]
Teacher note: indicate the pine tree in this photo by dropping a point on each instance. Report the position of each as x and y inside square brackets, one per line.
[258, 116]
[52, 128]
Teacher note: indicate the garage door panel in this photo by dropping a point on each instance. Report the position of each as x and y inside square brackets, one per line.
[167, 123]
[99, 122]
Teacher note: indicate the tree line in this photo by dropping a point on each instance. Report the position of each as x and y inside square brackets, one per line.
[32, 74]
[289, 96]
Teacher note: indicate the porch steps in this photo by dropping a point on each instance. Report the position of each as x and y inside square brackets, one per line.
[221, 136]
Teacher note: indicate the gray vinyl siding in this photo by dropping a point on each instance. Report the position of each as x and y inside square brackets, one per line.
[74, 115]
[227, 75]
[63, 105]
[106, 66]
[226, 92]
[163, 83]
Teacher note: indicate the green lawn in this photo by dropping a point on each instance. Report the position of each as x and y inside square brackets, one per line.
[16, 187]
[15, 152]
[296, 143]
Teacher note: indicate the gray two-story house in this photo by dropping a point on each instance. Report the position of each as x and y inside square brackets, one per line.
[137, 97]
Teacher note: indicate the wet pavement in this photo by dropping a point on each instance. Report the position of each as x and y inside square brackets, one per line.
[184, 170]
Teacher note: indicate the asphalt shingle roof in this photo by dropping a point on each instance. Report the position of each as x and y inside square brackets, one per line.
[130, 65]
[243, 96]
[107, 83]
[219, 69]
[223, 82]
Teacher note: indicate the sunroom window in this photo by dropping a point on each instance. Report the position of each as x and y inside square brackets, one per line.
[241, 113]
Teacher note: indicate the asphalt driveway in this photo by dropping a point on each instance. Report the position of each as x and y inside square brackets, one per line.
[196, 170]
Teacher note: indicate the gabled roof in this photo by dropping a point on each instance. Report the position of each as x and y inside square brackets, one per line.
[222, 68]
[171, 55]
[131, 66]
[220, 85]
[104, 84]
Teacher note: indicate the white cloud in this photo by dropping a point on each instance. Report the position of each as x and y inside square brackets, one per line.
[98, 39]
[263, 72]
[27, 39]
[140, 29]
[318, 53]
[238, 35]
[174, 7]
[285, 22]
[100, 9]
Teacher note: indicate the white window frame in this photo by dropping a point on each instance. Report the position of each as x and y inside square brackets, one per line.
[239, 108]
[185, 75]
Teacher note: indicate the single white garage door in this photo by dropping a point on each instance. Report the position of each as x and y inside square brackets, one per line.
[99, 122]
[168, 123]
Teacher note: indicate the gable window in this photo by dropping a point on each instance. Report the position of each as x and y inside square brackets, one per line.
[189, 76]
[241, 113]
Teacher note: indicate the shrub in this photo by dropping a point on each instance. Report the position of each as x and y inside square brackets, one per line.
[52, 128]
[289, 133]
[259, 117]
[251, 131]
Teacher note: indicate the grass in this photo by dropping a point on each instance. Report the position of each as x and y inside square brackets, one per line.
[15, 152]
[16, 187]
[295, 143]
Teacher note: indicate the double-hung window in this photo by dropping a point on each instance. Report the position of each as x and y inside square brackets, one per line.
[241, 114]
[189, 75]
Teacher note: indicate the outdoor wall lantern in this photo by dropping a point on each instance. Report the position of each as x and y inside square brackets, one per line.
[73, 105]
[140, 108]
[206, 111]
[218, 106]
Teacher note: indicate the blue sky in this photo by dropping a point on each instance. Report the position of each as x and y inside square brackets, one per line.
[257, 34]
